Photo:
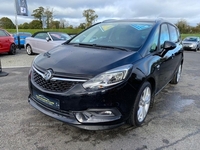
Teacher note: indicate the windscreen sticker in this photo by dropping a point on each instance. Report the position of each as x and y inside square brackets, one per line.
[106, 27]
[141, 26]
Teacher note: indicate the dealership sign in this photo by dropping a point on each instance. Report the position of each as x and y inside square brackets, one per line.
[21, 7]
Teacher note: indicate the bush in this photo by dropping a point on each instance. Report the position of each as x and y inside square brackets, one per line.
[68, 31]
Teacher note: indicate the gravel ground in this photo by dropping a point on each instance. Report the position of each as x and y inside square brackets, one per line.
[172, 124]
[20, 59]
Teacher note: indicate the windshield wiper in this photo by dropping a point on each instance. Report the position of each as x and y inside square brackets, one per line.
[103, 46]
[114, 47]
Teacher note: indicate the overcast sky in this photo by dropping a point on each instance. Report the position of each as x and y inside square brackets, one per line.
[71, 10]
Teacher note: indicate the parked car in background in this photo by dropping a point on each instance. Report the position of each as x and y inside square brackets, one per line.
[22, 37]
[43, 41]
[72, 35]
[7, 44]
[191, 43]
[108, 74]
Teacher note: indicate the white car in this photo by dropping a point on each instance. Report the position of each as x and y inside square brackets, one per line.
[43, 41]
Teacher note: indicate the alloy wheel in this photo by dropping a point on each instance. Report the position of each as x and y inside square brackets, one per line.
[144, 104]
[178, 73]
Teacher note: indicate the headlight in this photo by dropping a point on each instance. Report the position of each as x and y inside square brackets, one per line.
[108, 78]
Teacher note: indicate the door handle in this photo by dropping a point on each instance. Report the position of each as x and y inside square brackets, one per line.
[173, 56]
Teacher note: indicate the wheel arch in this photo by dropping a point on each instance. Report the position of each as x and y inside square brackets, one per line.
[153, 84]
[27, 45]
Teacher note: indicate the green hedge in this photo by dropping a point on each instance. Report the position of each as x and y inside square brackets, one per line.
[68, 31]
[185, 35]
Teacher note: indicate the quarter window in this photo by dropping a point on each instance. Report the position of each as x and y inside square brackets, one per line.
[154, 42]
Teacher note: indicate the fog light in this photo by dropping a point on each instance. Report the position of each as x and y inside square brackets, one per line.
[97, 115]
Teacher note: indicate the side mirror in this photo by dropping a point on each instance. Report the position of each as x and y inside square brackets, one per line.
[48, 39]
[169, 45]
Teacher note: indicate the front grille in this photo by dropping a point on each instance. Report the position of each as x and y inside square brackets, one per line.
[187, 44]
[52, 85]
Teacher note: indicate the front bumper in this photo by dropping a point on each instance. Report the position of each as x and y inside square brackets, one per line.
[69, 117]
[103, 109]
[190, 47]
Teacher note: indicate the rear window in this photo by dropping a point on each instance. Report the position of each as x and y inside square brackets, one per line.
[3, 33]
[191, 39]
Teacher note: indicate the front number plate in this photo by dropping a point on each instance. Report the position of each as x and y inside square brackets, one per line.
[53, 103]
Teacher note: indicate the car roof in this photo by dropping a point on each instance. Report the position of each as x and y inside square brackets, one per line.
[22, 33]
[135, 20]
[46, 32]
[39, 32]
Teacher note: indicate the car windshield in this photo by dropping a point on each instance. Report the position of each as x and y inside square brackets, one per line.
[191, 39]
[56, 36]
[129, 35]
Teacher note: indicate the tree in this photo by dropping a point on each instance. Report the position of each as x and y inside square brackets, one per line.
[49, 17]
[55, 24]
[41, 14]
[70, 27]
[24, 26]
[82, 26]
[6, 23]
[63, 23]
[35, 24]
[38, 13]
[183, 26]
[197, 28]
[90, 17]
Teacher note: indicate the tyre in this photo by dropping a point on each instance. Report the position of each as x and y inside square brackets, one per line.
[141, 106]
[12, 50]
[177, 75]
[29, 50]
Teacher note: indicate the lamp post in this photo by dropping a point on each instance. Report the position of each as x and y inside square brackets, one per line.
[44, 18]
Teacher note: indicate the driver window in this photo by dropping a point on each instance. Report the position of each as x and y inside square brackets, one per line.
[164, 34]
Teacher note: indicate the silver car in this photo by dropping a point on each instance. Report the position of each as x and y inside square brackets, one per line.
[191, 43]
[43, 41]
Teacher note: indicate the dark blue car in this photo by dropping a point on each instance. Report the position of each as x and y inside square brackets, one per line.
[22, 37]
[108, 74]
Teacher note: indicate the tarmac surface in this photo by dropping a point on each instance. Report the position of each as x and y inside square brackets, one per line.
[172, 124]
